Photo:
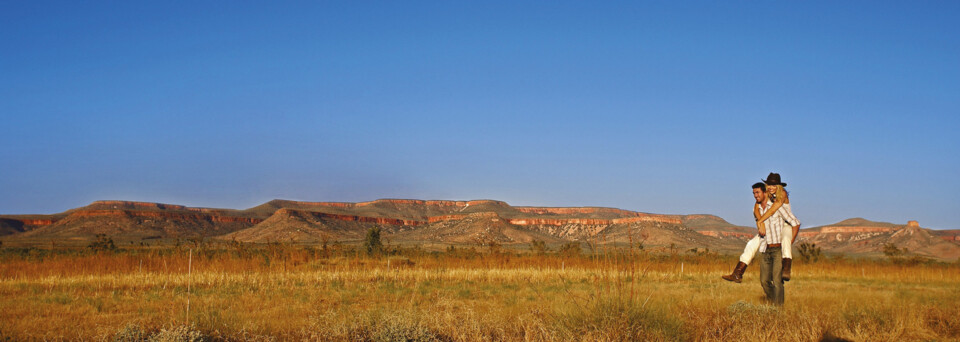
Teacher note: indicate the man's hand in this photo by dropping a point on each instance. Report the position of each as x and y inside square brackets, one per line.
[796, 231]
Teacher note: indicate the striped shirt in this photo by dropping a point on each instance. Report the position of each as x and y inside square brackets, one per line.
[789, 214]
[775, 225]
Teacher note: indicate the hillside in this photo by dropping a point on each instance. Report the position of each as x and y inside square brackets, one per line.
[717, 227]
[126, 222]
[406, 221]
[859, 236]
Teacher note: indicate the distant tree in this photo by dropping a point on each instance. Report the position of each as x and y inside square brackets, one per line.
[809, 252]
[494, 247]
[324, 241]
[570, 249]
[372, 242]
[643, 236]
[103, 243]
[839, 257]
[538, 247]
[893, 252]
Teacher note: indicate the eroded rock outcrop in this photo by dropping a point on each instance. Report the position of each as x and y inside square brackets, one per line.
[851, 230]
[722, 234]
[164, 215]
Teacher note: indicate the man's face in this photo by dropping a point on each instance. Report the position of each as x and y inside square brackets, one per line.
[758, 195]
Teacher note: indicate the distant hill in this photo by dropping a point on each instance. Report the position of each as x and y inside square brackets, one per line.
[10, 226]
[859, 236]
[127, 221]
[407, 221]
[465, 222]
[716, 226]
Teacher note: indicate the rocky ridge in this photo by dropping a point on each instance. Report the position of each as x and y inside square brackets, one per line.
[442, 222]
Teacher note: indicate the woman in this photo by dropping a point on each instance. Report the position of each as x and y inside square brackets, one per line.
[780, 198]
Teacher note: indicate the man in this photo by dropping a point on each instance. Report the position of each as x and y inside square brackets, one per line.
[780, 200]
[771, 264]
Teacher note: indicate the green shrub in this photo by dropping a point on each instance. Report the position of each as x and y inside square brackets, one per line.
[372, 242]
[809, 252]
[103, 243]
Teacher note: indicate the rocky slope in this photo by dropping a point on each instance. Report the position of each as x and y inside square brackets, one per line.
[127, 221]
[441, 222]
[717, 227]
[861, 236]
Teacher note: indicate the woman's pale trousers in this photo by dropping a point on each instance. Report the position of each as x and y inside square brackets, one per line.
[754, 245]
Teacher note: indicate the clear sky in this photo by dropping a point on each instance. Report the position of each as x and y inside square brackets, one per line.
[670, 107]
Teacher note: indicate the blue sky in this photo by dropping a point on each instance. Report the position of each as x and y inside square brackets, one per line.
[663, 107]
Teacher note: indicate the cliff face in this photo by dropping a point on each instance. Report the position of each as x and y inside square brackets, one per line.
[457, 222]
[851, 230]
[714, 226]
[860, 236]
[722, 234]
[438, 221]
[125, 220]
[163, 215]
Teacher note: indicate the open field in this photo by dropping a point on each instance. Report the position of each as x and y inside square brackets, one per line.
[287, 293]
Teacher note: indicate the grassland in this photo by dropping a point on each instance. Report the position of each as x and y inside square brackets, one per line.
[286, 293]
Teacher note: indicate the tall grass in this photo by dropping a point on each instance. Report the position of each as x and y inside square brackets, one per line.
[293, 293]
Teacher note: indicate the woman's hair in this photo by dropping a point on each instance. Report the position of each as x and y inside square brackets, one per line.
[780, 194]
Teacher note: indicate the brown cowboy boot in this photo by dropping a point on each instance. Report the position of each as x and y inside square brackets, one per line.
[737, 275]
[786, 268]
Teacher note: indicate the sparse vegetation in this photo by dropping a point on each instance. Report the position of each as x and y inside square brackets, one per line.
[103, 243]
[893, 252]
[372, 242]
[538, 247]
[570, 249]
[307, 294]
[809, 252]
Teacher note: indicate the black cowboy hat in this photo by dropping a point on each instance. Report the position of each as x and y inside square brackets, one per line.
[774, 179]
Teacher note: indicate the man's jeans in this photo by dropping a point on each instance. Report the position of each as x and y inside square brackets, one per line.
[771, 267]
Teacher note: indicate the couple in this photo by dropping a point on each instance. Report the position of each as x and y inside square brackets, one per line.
[777, 229]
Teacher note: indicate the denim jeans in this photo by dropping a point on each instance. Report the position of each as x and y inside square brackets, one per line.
[771, 267]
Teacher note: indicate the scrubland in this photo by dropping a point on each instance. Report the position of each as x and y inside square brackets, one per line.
[279, 292]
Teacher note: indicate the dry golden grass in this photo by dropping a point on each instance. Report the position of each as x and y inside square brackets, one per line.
[283, 293]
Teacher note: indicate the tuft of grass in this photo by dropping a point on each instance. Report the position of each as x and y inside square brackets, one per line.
[614, 319]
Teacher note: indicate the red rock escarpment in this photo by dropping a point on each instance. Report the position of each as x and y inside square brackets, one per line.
[572, 211]
[36, 222]
[356, 218]
[514, 221]
[440, 203]
[631, 216]
[858, 229]
[715, 233]
[597, 210]
[590, 221]
[160, 214]
[433, 219]
[845, 230]
[132, 205]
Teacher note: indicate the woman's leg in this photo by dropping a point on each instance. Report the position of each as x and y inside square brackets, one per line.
[750, 250]
[787, 251]
[785, 242]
